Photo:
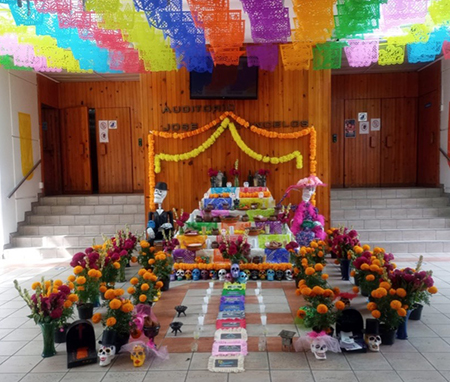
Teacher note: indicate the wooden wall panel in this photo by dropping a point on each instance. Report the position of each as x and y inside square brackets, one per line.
[48, 92]
[112, 94]
[283, 96]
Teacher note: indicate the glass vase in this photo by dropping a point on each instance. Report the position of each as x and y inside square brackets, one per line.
[123, 264]
[48, 336]
[236, 181]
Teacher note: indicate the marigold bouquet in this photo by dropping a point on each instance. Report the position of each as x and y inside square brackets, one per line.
[418, 285]
[87, 283]
[146, 255]
[236, 251]
[162, 266]
[170, 243]
[145, 288]
[119, 312]
[52, 301]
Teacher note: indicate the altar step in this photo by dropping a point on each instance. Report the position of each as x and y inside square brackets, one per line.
[401, 220]
[60, 226]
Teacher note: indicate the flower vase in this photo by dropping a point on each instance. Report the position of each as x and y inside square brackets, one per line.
[212, 180]
[263, 179]
[236, 181]
[48, 335]
[402, 331]
[85, 310]
[387, 335]
[345, 269]
[416, 313]
[166, 284]
[123, 264]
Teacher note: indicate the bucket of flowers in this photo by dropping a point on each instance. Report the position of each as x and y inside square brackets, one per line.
[146, 254]
[145, 288]
[237, 251]
[340, 242]
[51, 306]
[87, 287]
[117, 320]
[123, 243]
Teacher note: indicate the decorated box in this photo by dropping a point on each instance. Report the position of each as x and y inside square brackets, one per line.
[218, 203]
[280, 255]
[230, 323]
[183, 256]
[237, 347]
[275, 227]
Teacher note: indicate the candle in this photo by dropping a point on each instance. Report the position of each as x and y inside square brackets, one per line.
[263, 319]
[258, 284]
[262, 308]
[260, 299]
[256, 292]
[208, 292]
[206, 299]
[201, 320]
[211, 284]
[228, 184]
[246, 184]
[205, 308]
[231, 228]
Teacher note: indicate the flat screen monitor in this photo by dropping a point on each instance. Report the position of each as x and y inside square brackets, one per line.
[226, 82]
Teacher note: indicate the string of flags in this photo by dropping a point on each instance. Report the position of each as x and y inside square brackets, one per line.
[135, 36]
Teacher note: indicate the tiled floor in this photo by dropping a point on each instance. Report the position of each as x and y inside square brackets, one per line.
[425, 355]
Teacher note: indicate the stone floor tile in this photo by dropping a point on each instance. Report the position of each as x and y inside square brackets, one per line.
[334, 376]
[368, 361]
[92, 376]
[426, 345]
[398, 347]
[250, 376]
[377, 376]
[257, 361]
[199, 361]
[286, 361]
[333, 362]
[408, 361]
[43, 377]
[20, 364]
[196, 376]
[22, 334]
[291, 375]
[419, 376]
[10, 347]
[441, 361]
[128, 376]
[176, 361]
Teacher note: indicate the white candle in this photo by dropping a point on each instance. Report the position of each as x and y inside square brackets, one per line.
[246, 184]
[256, 292]
[258, 284]
[211, 284]
[206, 299]
[231, 228]
[208, 291]
[263, 320]
[228, 184]
[201, 320]
[262, 309]
[260, 299]
[205, 308]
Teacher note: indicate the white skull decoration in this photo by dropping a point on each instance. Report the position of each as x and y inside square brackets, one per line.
[180, 274]
[106, 355]
[373, 342]
[235, 271]
[222, 274]
[319, 348]
[288, 274]
[188, 275]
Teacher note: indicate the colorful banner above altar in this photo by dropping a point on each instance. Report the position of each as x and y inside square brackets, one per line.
[134, 36]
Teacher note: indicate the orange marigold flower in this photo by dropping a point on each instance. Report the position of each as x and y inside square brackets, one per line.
[324, 276]
[355, 289]
[385, 285]
[370, 277]
[142, 298]
[68, 304]
[111, 321]
[301, 313]
[371, 306]
[81, 280]
[306, 291]
[73, 297]
[376, 314]
[96, 318]
[382, 292]
[318, 267]
[318, 290]
[71, 278]
[151, 261]
[401, 292]
[134, 281]
[432, 290]
[116, 265]
[395, 304]
[309, 271]
[119, 292]
[147, 276]
[115, 303]
[92, 273]
[131, 290]
[103, 289]
[80, 288]
[401, 312]
[352, 273]
[336, 290]
[366, 247]
[298, 292]
[35, 285]
[142, 271]
[374, 268]
[78, 269]
[339, 305]
[159, 285]
[145, 287]
[110, 294]
[322, 309]
[365, 267]
[127, 308]
[57, 283]
[144, 244]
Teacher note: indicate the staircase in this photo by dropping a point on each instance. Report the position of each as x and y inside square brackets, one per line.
[402, 221]
[59, 226]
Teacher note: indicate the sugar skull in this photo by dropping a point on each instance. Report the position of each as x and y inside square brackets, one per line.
[106, 355]
[222, 273]
[319, 348]
[180, 274]
[204, 274]
[288, 274]
[254, 275]
[213, 275]
[228, 277]
[235, 269]
[188, 275]
[247, 271]
[262, 274]
[138, 355]
[279, 275]
[270, 274]
[373, 342]
[243, 277]
[196, 274]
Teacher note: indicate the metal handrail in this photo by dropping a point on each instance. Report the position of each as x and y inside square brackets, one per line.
[444, 153]
[24, 179]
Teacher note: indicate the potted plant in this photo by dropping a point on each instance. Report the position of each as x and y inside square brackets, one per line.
[237, 251]
[341, 243]
[109, 266]
[145, 288]
[124, 243]
[162, 268]
[50, 307]
[87, 287]
[117, 320]
[146, 254]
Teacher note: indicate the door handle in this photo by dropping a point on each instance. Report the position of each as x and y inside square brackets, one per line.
[103, 149]
[81, 149]
[372, 142]
[388, 141]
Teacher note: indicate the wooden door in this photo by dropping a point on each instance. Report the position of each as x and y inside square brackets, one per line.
[399, 142]
[428, 140]
[362, 153]
[76, 163]
[51, 151]
[114, 158]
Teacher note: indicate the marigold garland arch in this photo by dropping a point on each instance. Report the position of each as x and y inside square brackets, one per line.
[226, 121]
